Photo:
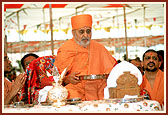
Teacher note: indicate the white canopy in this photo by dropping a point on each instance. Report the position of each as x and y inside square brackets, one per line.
[36, 14]
[23, 16]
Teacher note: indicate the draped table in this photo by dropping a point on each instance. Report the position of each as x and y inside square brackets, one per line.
[91, 106]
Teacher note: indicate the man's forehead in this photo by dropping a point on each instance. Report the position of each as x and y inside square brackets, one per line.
[29, 58]
[5, 56]
[151, 54]
[86, 27]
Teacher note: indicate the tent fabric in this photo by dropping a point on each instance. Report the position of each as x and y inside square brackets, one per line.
[36, 46]
[105, 15]
[102, 12]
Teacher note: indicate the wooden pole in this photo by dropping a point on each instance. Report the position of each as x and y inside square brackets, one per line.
[44, 34]
[125, 25]
[44, 17]
[51, 27]
[18, 22]
[76, 11]
[144, 25]
[5, 45]
[118, 33]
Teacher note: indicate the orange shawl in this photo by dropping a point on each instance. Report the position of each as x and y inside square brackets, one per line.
[96, 60]
[75, 57]
[157, 93]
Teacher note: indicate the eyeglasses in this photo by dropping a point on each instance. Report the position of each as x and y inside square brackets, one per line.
[82, 31]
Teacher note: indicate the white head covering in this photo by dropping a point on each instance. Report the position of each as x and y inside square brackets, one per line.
[117, 71]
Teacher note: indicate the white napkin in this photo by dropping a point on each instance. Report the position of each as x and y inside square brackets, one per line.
[43, 93]
[130, 96]
[106, 93]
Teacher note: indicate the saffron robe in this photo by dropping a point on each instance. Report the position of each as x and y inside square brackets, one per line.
[95, 59]
[157, 93]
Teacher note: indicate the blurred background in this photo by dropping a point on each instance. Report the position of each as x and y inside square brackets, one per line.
[127, 30]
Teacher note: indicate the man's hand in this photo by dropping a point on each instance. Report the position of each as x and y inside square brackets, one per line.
[18, 83]
[73, 78]
[16, 86]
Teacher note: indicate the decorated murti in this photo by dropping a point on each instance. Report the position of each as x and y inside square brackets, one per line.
[58, 93]
[127, 84]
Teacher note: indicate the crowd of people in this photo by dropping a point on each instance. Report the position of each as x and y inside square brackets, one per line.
[82, 57]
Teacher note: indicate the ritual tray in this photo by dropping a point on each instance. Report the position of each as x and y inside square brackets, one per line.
[125, 100]
[73, 101]
[20, 106]
[46, 103]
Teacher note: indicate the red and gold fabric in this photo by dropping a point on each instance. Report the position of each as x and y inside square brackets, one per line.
[37, 78]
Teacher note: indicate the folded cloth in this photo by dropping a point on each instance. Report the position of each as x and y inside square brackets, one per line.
[130, 96]
[106, 93]
[43, 93]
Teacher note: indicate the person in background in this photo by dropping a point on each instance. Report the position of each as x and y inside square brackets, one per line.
[39, 75]
[118, 61]
[27, 59]
[11, 88]
[137, 63]
[83, 58]
[11, 75]
[153, 79]
[161, 56]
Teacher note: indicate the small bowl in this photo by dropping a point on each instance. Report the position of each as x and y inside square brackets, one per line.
[19, 104]
[73, 101]
[46, 103]
[28, 105]
[9, 106]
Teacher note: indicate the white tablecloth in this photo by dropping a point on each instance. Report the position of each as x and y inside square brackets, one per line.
[91, 106]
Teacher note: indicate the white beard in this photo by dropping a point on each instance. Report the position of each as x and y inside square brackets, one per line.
[82, 43]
